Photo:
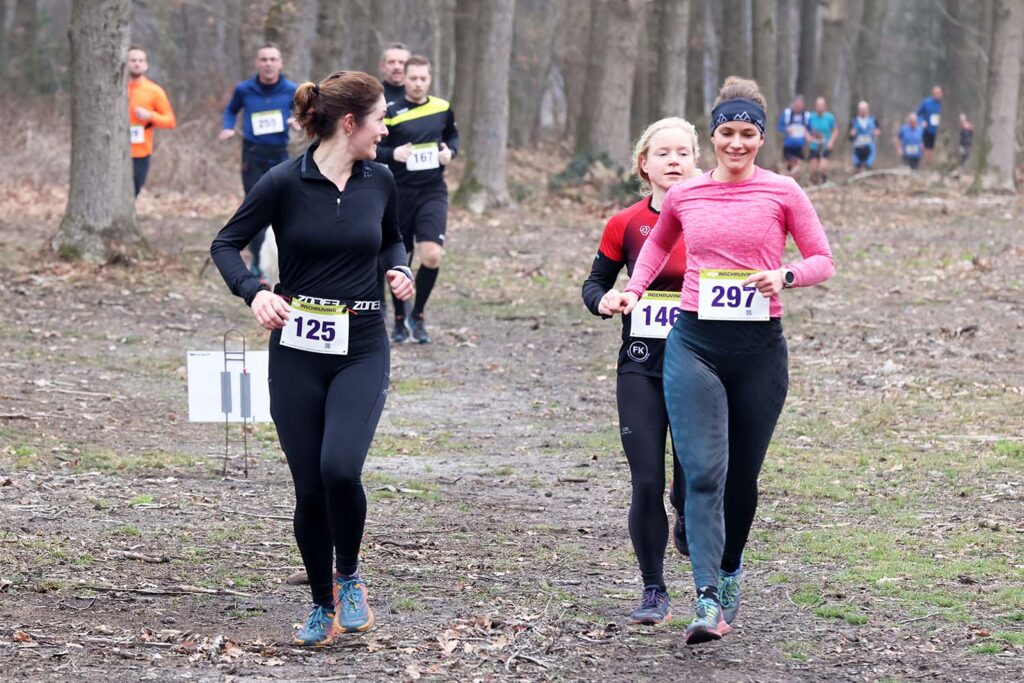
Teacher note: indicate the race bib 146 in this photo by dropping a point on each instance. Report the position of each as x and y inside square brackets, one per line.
[654, 315]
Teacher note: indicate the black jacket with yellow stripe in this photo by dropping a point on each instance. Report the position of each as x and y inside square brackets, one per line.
[430, 122]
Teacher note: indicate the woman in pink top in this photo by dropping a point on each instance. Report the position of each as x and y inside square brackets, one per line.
[726, 364]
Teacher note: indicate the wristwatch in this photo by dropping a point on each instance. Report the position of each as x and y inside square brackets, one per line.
[788, 278]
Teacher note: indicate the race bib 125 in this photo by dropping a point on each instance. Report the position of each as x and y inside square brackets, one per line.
[316, 327]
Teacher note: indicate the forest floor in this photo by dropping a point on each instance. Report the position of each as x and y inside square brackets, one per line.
[887, 546]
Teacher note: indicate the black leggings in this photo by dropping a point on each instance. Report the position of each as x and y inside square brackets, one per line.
[326, 410]
[725, 385]
[643, 423]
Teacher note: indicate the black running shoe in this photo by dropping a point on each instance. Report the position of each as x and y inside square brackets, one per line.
[401, 332]
[419, 331]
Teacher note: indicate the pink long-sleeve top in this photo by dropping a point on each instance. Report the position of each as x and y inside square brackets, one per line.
[737, 225]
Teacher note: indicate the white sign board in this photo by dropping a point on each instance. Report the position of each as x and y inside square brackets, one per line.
[209, 387]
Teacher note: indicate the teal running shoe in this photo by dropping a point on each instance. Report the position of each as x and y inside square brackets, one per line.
[354, 613]
[708, 624]
[654, 607]
[321, 628]
[729, 593]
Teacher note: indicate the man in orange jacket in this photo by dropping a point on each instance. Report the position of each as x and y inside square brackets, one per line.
[148, 108]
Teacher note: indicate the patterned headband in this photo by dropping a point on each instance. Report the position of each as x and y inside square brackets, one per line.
[738, 110]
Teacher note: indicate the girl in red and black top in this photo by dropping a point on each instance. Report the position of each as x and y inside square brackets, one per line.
[665, 155]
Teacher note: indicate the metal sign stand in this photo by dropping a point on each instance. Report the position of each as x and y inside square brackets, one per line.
[245, 398]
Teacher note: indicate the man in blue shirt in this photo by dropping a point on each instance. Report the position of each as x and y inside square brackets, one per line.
[267, 99]
[910, 141]
[793, 125]
[929, 113]
[823, 132]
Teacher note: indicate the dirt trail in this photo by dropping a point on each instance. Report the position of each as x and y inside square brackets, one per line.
[887, 543]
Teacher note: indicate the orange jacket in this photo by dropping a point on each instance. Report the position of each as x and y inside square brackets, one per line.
[148, 95]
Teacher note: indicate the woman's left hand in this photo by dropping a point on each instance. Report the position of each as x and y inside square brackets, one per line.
[401, 285]
[768, 282]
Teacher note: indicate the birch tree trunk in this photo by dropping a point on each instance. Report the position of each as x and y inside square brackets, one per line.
[99, 225]
[765, 46]
[996, 160]
[610, 76]
[484, 184]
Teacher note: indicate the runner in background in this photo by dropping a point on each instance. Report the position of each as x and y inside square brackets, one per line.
[148, 108]
[929, 115]
[726, 362]
[966, 137]
[823, 132]
[864, 132]
[392, 71]
[267, 100]
[793, 125]
[666, 154]
[423, 140]
[910, 141]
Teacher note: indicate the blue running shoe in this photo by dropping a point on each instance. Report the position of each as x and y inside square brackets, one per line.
[321, 628]
[354, 613]
[729, 593]
[654, 607]
[708, 624]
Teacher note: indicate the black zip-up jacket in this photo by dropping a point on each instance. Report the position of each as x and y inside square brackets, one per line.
[432, 121]
[331, 244]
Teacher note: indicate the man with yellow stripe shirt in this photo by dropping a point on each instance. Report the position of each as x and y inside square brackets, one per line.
[421, 141]
[148, 108]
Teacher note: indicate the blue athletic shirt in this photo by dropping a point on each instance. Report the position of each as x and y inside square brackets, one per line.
[794, 127]
[864, 131]
[911, 139]
[929, 113]
[822, 125]
[260, 102]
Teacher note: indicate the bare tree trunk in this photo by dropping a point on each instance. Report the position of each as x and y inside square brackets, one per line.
[292, 24]
[737, 50]
[484, 184]
[610, 75]
[99, 225]
[808, 56]
[571, 52]
[996, 154]
[764, 72]
[833, 32]
[467, 17]
[785, 55]
[533, 48]
[866, 71]
[330, 36]
[673, 68]
[962, 24]
[253, 33]
[695, 62]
